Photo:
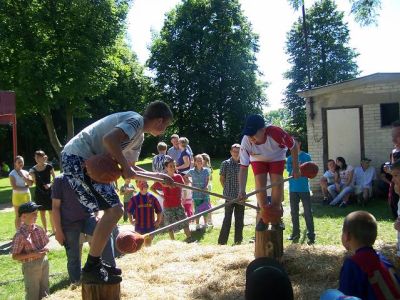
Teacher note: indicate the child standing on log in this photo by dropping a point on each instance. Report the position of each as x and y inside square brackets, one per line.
[264, 147]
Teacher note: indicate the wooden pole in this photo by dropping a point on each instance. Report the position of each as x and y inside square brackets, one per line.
[101, 291]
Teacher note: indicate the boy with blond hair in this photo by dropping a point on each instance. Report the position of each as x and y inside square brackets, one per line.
[366, 274]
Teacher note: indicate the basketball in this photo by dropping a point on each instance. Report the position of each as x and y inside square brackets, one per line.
[103, 168]
[129, 242]
[309, 169]
[271, 214]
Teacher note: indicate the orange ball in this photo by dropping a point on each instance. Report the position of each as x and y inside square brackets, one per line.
[103, 168]
[129, 242]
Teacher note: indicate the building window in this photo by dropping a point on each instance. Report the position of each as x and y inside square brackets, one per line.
[389, 113]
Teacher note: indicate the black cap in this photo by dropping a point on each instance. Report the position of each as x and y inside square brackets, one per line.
[267, 279]
[27, 208]
[253, 124]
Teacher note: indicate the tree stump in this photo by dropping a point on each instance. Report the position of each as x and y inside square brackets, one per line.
[101, 291]
[269, 243]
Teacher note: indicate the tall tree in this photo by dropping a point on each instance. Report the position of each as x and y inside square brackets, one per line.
[365, 11]
[54, 54]
[205, 65]
[331, 59]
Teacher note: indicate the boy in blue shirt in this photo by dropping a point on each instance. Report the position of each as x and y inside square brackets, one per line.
[366, 274]
[299, 190]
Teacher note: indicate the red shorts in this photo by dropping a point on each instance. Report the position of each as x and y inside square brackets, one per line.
[263, 167]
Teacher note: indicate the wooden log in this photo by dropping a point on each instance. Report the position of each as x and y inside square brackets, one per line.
[269, 243]
[101, 291]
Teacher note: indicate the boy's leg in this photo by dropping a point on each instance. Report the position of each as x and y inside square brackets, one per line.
[324, 187]
[332, 191]
[32, 274]
[306, 199]
[294, 213]
[43, 219]
[72, 249]
[171, 235]
[226, 225]
[103, 230]
[238, 210]
[44, 282]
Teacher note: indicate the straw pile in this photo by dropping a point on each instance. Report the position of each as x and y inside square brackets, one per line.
[175, 270]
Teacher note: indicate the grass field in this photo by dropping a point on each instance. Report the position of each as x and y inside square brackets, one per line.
[328, 222]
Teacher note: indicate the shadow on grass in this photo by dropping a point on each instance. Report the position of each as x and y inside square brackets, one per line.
[59, 282]
[378, 207]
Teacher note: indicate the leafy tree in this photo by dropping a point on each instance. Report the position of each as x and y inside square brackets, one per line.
[205, 65]
[331, 59]
[54, 54]
[365, 11]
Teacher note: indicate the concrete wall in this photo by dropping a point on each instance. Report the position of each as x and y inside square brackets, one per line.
[377, 140]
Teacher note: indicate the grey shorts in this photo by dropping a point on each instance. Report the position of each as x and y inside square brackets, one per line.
[175, 214]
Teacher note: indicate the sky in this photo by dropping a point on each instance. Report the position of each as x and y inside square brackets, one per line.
[378, 46]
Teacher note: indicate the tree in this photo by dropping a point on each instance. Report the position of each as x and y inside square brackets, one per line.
[205, 65]
[365, 11]
[331, 59]
[54, 54]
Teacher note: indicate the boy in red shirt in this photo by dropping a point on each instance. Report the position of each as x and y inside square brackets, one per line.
[141, 210]
[265, 149]
[173, 210]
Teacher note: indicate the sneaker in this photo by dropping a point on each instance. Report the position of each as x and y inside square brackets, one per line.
[111, 270]
[325, 201]
[293, 237]
[98, 275]
[261, 226]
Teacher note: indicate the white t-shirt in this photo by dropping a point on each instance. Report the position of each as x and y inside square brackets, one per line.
[19, 181]
[274, 149]
[89, 141]
[364, 178]
[344, 174]
[330, 176]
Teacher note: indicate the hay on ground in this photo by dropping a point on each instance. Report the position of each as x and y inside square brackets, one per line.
[176, 270]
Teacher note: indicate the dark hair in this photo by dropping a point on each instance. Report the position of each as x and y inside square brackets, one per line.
[362, 226]
[167, 160]
[157, 109]
[343, 161]
[329, 160]
[40, 153]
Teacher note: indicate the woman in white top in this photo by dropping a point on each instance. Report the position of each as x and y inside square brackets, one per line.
[20, 181]
[343, 186]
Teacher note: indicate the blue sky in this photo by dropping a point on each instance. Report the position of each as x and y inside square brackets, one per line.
[379, 46]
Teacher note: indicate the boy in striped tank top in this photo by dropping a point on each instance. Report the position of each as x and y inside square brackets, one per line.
[142, 209]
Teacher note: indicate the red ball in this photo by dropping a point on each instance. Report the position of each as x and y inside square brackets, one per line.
[103, 168]
[309, 169]
[271, 214]
[129, 242]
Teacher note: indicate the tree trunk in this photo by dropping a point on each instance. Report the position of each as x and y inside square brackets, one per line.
[70, 123]
[55, 142]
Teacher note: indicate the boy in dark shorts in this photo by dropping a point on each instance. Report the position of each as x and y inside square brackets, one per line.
[121, 135]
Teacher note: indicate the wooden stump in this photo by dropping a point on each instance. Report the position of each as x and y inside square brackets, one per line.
[101, 291]
[269, 243]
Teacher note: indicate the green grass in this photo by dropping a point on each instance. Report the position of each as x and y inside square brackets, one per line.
[328, 225]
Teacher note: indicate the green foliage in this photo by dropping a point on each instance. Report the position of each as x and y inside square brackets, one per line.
[205, 65]
[54, 54]
[330, 60]
[365, 11]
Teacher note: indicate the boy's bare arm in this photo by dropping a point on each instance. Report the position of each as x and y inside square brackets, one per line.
[295, 161]
[57, 221]
[158, 220]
